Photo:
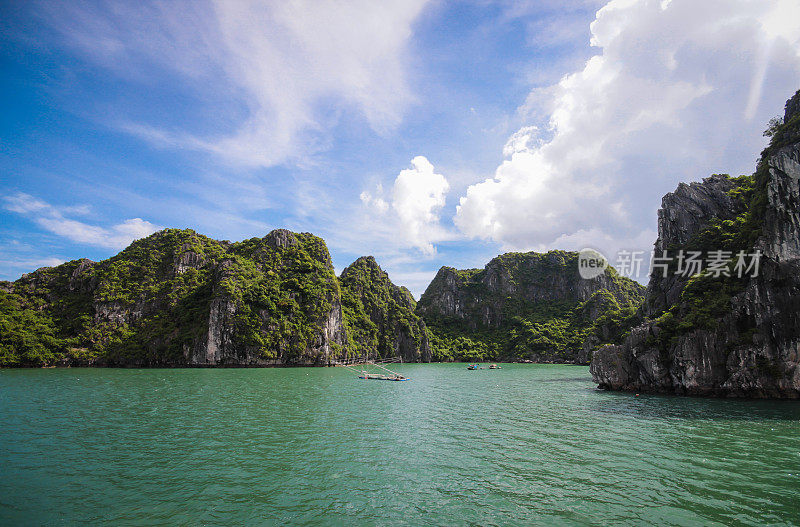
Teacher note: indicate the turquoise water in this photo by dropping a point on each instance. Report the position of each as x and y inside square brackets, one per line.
[528, 444]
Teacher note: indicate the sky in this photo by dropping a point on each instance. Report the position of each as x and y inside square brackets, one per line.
[425, 133]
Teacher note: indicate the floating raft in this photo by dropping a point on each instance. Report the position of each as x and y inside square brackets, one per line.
[381, 377]
[367, 376]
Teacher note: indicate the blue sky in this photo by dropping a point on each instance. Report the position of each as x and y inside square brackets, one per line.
[426, 133]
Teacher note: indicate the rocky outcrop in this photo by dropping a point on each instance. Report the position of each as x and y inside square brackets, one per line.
[782, 220]
[684, 213]
[179, 298]
[486, 297]
[526, 306]
[381, 315]
[725, 336]
[227, 344]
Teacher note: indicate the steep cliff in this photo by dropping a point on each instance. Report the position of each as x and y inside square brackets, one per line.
[380, 316]
[180, 298]
[526, 306]
[735, 332]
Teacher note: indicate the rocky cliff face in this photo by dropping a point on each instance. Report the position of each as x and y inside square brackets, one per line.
[179, 298]
[684, 213]
[731, 336]
[380, 315]
[276, 301]
[527, 306]
[486, 297]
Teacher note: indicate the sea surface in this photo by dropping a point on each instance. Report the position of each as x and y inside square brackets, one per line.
[523, 445]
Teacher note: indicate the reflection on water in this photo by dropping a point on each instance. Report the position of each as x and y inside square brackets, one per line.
[521, 445]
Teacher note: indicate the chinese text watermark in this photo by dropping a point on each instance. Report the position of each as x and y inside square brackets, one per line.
[592, 263]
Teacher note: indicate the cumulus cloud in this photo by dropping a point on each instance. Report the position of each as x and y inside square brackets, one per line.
[278, 71]
[411, 214]
[679, 89]
[56, 220]
[417, 196]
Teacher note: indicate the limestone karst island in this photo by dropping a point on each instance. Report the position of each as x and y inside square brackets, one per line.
[422, 263]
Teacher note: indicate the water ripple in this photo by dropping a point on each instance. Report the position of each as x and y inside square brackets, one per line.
[523, 445]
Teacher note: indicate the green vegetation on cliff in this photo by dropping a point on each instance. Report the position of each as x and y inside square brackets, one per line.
[180, 298]
[379, 315]
[283, 293]
[27, 335]
[526, 306]
[151, 303]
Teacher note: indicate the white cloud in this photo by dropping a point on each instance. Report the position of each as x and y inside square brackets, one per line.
[55, 220]
[24, 203]
[278, 71]
[411, 215]
[680, 89]
[520, 141]
[417, 197]
[375, 202]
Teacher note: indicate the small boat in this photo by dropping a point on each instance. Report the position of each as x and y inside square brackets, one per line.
[472, 367]
[494, 367]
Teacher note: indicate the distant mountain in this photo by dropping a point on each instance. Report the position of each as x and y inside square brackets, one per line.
[527, 306]
[732, 330]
